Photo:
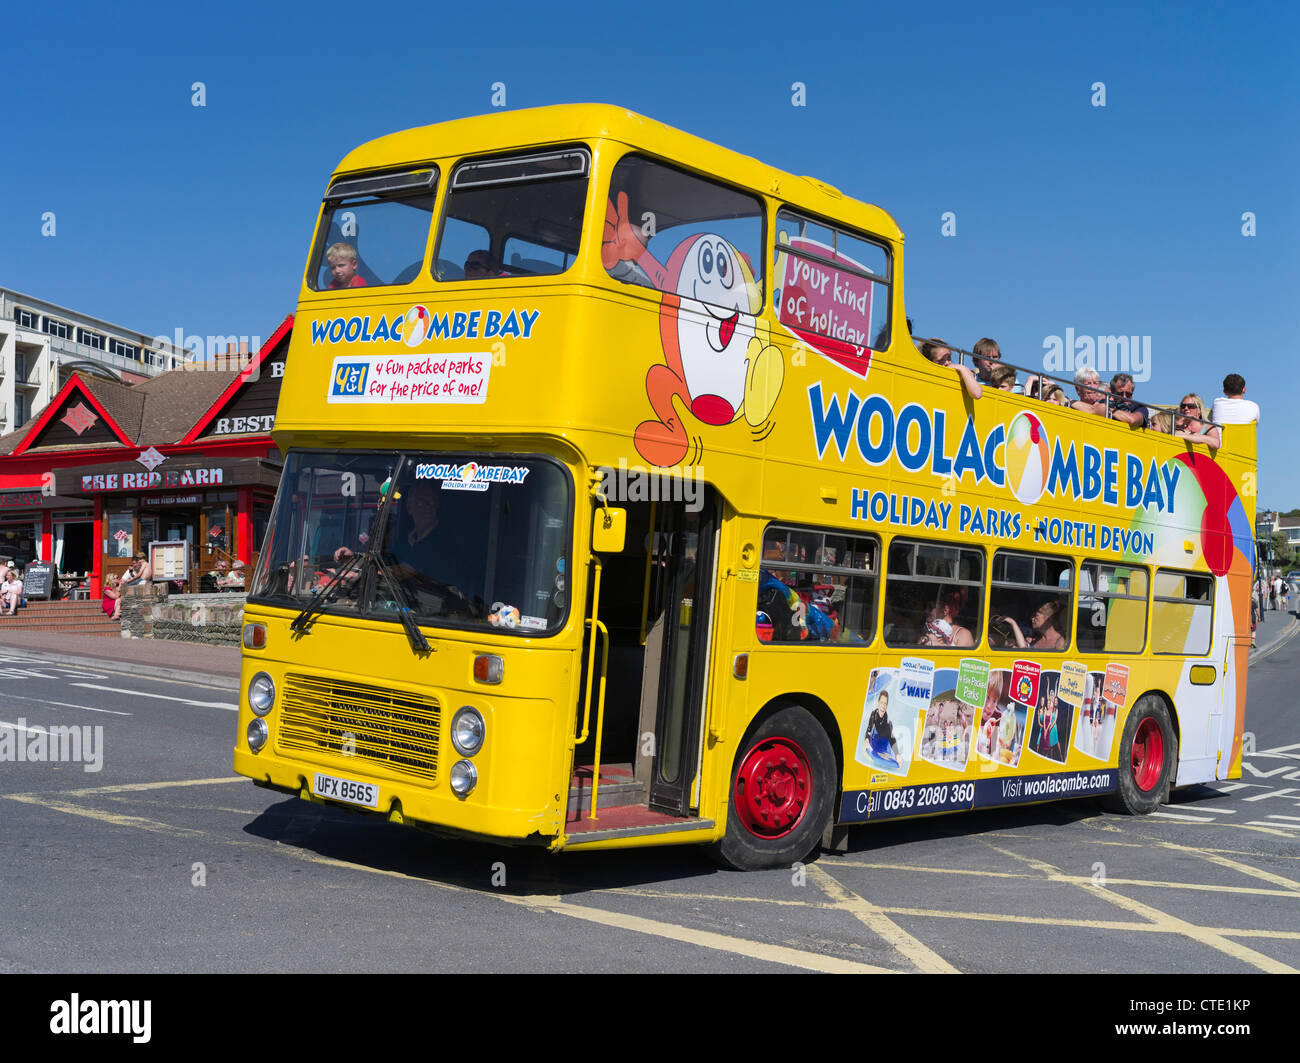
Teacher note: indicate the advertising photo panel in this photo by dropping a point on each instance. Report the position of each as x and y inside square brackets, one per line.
[1001, 735]
[891, 714]
[1049, 733]
[948, 724]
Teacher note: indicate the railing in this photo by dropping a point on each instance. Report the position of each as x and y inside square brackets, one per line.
[1065, 382]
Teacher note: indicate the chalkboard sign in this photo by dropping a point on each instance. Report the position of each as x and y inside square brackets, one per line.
[37, 580]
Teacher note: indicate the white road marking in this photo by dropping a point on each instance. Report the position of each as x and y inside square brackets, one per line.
[64, 704]
[162, 697]
[1178, 816]
[1277, 793]
[38, 729]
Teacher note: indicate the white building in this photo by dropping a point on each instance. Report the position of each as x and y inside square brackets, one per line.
[42, 343]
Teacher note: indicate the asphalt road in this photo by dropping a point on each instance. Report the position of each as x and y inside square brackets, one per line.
[163, 861]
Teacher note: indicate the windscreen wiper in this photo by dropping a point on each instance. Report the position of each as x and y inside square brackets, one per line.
[302, 622]
[418, 642]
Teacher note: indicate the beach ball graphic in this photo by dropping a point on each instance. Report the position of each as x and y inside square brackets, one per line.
[1027, 457]
[468, 471]
[416, 326]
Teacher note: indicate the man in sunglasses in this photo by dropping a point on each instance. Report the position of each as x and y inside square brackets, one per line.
[482, 264]
[1122, 406]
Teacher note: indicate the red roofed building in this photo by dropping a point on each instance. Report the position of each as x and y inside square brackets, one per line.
[108, 468]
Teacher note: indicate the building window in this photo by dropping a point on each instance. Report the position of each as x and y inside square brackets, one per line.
[25, 319]
[61, 329]
[90, 339]
[125, 350]
[120, 534]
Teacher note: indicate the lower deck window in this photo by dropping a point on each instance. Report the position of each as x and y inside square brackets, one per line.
[933, 595]
[817, 588]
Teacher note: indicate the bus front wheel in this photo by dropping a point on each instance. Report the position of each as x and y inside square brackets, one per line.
[1148, 753]
[782, 786]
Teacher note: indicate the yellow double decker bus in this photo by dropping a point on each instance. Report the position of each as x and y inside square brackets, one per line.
[620, 508]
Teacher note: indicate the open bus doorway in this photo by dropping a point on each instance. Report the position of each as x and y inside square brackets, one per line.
[657, 605]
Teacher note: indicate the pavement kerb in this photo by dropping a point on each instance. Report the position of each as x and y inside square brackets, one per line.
[99, 664]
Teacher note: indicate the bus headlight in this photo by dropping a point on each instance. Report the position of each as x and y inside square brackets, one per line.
[261, 694]
[468, 731]
[464, 777]
[256, 734]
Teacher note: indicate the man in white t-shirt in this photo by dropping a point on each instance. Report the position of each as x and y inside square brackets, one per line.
[1233, 407]
[1278, 591]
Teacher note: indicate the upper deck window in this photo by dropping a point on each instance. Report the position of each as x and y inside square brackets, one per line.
[830, 282]
[514, 217]
[374, 230]
[678, 233]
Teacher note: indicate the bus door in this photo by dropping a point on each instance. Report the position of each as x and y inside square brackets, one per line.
[679, 611]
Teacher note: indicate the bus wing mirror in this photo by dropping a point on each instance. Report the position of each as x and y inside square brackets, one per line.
[610, 530]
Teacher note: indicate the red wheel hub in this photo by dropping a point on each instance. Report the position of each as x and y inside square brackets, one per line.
[1148, 755]
[773, 787]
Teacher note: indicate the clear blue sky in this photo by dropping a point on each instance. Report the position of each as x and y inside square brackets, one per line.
[1125, 219]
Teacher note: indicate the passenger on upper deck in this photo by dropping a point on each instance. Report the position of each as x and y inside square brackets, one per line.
[342, 258]
[939, 353]
[1191, 424]
[1002, 377]
[1234, 407]
[1122, 407]
[987, 354]
[1091, 398]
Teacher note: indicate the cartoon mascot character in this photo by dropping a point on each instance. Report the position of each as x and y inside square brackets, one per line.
[718, 358]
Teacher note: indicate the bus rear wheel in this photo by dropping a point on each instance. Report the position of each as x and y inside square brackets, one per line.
[782, 787]
[1148, 753]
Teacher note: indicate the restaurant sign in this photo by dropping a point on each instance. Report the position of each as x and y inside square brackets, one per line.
[134, 481]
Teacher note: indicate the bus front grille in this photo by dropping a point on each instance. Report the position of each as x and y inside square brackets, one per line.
[391, 727]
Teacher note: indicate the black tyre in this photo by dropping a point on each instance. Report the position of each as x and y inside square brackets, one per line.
[1148, 753]
[782, 786]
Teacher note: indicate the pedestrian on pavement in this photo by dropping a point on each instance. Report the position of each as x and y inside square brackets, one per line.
[1254, 619]
[1277, 592]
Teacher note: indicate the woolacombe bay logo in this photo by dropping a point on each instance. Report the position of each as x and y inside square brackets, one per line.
[1027, 457]
[415, 326]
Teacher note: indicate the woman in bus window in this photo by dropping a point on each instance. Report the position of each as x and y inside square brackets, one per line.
[941, 627]
[1046, 626]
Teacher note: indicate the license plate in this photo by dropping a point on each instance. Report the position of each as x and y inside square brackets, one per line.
[354, 793]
